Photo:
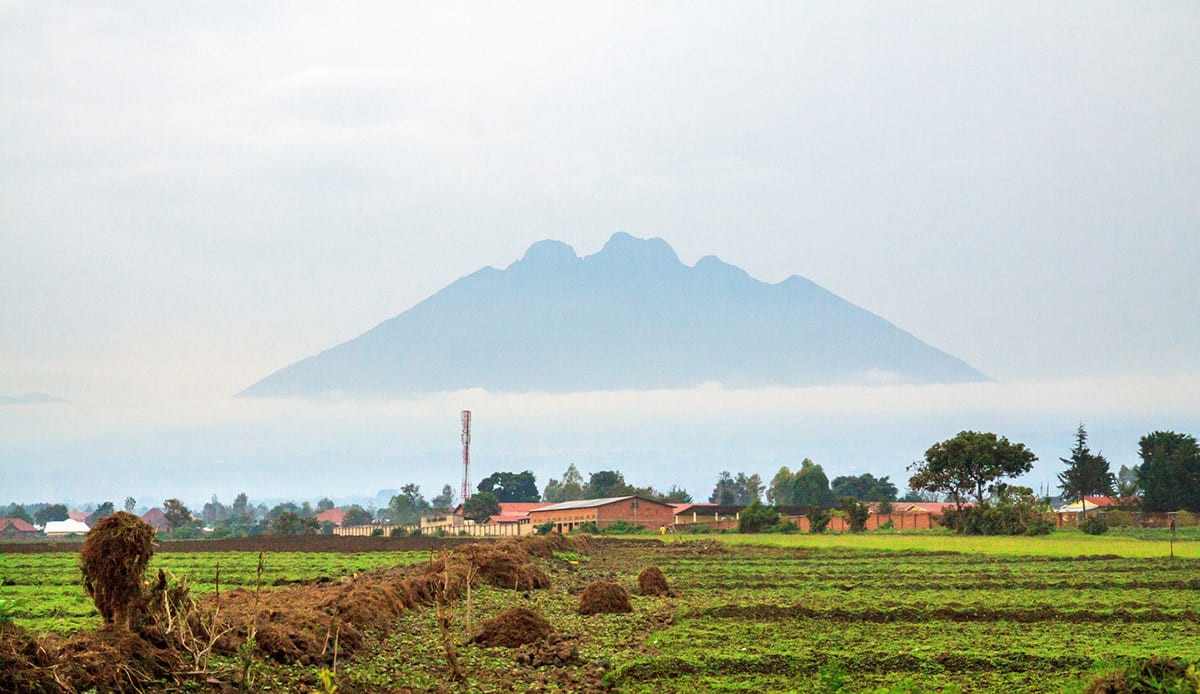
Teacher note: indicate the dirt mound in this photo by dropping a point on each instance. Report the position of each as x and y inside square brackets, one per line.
[1154, 674]
[516, 626]
[651, 581]
[604, 597]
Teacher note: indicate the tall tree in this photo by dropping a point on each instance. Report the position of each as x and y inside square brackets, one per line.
[130, 504]
[1127, 483]
[407, 507]
[15, 510]
[970, 464]
[569, 489]
[1169, 475]
[677, 495]
[325, 504]
[1087, 473]
[810, 486]
[725, 491]
[176, 513]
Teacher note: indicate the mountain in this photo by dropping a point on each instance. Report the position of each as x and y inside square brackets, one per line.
[631, 317]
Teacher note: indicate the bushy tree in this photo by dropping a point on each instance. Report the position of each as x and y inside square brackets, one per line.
[818, 519]
[480, 507]
[1087, 473]
[511, 486]
[325, 504]
[808, 486]
[757, 518]
[292, 523]
[1169, 475]
[864, 487]
[971, 463]
[605, 484]
[856, 513]
[53, 512]
[1013, 510]
[214, 511]
[677, 495]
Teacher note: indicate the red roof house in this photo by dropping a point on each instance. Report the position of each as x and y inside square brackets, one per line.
[155, 518]
[332, 515]
[16, 528]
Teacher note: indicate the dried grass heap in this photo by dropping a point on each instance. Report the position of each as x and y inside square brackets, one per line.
[604, 597]
[113, 560]
[516, 626]
[651, 581]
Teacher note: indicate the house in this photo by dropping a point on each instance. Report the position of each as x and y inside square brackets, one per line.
[1092, 503]
[513, 519]
[332, 515]
[156, 518]
[715, 516]
[16, 529]
[65, 528]
[569, 515]
[80, 516]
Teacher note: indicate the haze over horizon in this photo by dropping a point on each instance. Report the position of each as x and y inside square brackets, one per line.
[194, 197]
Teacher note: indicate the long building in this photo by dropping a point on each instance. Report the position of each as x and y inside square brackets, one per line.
[569, 515]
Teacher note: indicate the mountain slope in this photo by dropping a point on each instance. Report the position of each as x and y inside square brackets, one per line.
[629, 317]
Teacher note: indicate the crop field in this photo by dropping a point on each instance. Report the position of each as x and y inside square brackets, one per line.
[47, 589]
[759, 614]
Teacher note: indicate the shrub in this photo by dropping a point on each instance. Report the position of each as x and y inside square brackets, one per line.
[856, 512]
[545, 528]
[887, 525]
[396, 532]
[589, 527]
[788, 527]
[1094, 525]
[1119, 519]
[818, 519]
[623, 527]
[757, 518]
[1013, 511]
[377, 532]
[1185, 519]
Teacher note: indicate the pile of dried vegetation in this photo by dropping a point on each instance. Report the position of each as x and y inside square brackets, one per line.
[604, 597]
[161, 634]
[651, 581]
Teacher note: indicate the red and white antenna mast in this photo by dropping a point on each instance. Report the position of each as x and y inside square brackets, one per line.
[466, 439]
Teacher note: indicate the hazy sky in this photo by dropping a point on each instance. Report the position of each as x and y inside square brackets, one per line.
[194, 195]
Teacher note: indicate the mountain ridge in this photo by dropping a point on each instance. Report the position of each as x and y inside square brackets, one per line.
[629, 317]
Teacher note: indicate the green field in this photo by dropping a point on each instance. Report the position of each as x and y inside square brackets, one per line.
[47, 589]
[759, 613]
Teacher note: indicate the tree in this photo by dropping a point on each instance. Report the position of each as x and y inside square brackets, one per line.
[677, 495]
[863, 487]
[1169, 475]
[445, 500]
[292, 523]
[856, 513]
[325, 504]
[756, 518]
[214, 511]
[970, 463]
[1127, 484]
[53, 512]
[18, 511]
[725, 491]
[511, 487]
[480, 507]
[357, 515]
[1086, 473]
[176, 514]
[102, 511]
[407, 507]
[605, 484]
[130, 504]
[570, 489]
[810, 486]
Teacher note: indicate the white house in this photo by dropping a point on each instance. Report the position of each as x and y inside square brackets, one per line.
[65, 528]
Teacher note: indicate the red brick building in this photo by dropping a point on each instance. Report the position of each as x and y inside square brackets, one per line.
[569, 515]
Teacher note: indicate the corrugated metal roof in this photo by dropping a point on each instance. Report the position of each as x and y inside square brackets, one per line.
[584, 503]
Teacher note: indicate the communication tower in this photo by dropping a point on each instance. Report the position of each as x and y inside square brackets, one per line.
[466, 440]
